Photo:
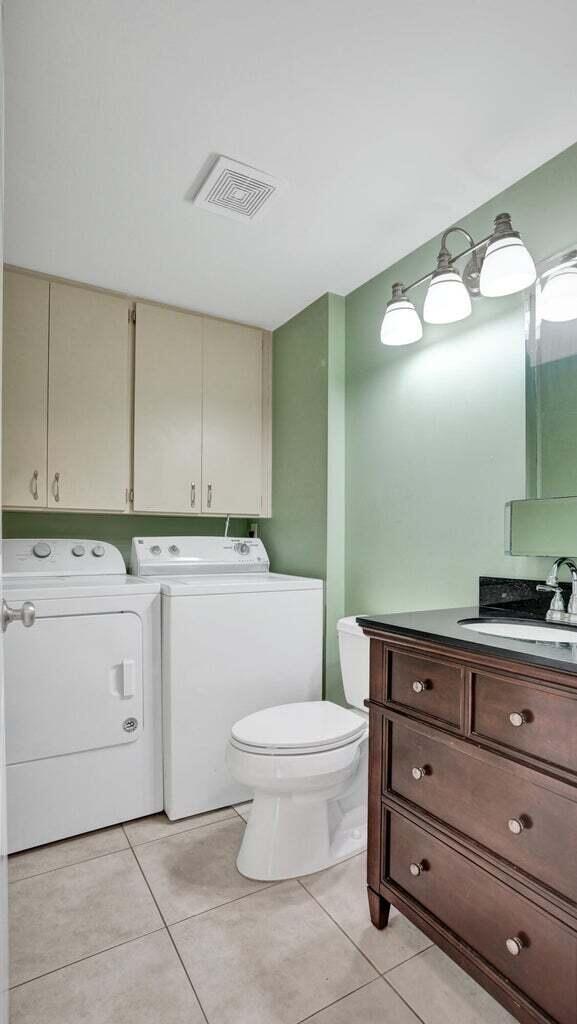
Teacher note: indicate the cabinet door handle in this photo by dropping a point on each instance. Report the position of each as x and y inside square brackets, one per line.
[56, 487]
[192, 495]
[517, 825]
[35, 485]
[419, 773]
[209, 496]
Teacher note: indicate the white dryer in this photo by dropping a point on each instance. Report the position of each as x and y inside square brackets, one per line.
[236, 638]
[83, 691]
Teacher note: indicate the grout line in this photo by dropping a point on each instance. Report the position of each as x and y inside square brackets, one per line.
[89, 956]
[227, 903]
[62, 867]
[184, 831]
[337, 1001]
[402, 998]
[175, 947]
[336, 923]
[408, 960]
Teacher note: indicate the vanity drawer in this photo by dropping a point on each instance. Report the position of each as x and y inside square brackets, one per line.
[433, 687]
[529, 825]
[486, 914]
[526, 718]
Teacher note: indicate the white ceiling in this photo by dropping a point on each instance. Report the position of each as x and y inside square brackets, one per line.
[388, 120]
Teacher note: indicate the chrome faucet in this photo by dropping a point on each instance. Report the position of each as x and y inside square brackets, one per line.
[557, 611]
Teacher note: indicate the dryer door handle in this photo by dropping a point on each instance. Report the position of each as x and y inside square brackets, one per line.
[128, 678]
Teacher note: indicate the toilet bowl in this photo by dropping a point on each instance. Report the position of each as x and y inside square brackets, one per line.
[307, 765]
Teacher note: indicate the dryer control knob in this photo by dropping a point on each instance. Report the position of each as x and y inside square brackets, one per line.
[78, 550]
[174, 550]
[242, 547]
[42, 549]
[155, 549]
[98, 550]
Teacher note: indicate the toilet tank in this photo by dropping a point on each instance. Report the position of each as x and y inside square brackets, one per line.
[354, 657]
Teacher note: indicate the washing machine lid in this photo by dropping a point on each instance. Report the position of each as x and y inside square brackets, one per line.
[301, 726]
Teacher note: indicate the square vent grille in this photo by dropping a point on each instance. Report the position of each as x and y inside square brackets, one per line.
[235, 190]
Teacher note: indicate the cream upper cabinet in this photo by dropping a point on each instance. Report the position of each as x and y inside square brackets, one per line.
[25, 390]
[167, 410]
[89, 400]
[232, 454]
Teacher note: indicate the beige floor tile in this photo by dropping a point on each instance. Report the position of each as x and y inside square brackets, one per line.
[441, 993]
[196, 871]
[67, 851]
[272, 958]
[157, 826]
[243, 809]
[342, 891]
[374, 1004]
[64, 915]
[141, 982]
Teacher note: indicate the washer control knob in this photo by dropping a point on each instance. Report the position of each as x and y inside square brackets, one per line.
[174, 549]
[42, 549]
[242, 547]
[98, 550]
[155, 549]
[78, 550]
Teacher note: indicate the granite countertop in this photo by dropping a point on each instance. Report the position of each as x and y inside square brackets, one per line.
[443, 625]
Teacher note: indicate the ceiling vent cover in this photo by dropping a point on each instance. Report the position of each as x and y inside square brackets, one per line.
[236, 190]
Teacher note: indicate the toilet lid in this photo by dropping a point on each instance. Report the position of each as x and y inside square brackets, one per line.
[299, 726]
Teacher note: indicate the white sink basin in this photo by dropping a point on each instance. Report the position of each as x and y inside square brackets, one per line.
[549, 634]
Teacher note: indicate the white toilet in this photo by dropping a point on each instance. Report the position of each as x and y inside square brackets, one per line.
[307, 764]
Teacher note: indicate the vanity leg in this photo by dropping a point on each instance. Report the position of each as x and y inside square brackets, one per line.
[379, 909]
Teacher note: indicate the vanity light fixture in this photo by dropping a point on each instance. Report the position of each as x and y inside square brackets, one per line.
[559, 292]
[401, 322]
[505, 268]
[508, 266]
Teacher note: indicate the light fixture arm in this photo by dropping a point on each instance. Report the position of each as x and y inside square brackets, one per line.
[453, 259]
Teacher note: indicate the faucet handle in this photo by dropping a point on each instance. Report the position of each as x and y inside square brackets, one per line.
[557, 603]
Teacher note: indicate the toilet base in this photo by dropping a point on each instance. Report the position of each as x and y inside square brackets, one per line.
[289, 835]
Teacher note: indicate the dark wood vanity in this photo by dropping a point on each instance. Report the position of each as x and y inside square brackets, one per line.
[473, 813]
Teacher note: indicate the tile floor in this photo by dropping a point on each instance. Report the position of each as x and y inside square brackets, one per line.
[151, 923]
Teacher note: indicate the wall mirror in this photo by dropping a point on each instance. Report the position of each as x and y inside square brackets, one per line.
[546, 523]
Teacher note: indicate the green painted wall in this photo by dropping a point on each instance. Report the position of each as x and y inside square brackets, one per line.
[436, 431]
[116, 529]
[305, 535]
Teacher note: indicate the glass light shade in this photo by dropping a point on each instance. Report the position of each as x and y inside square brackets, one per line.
[508, 267]
[447, 299]
[559, 296]
[401, 323]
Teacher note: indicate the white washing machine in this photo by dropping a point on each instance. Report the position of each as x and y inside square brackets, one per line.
[83, 691]
[236, 638]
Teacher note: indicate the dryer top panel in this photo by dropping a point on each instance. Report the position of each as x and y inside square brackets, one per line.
[41, 557]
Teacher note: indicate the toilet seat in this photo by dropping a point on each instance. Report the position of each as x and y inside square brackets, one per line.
[300, 728]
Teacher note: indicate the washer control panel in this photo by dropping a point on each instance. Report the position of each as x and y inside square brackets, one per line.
[196, 556]
[57, 557]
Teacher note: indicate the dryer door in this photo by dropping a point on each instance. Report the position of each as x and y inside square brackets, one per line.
[73, 683]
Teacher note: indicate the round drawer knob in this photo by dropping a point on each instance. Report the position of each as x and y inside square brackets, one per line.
[419, 773]
[514, 946]
[517, 718]
[416, 869]
[419, 686]
[516, 826]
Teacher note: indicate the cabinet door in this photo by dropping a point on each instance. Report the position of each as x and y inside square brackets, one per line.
[25, 390]
[89, 400]
[167, 410]
[232, 419]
